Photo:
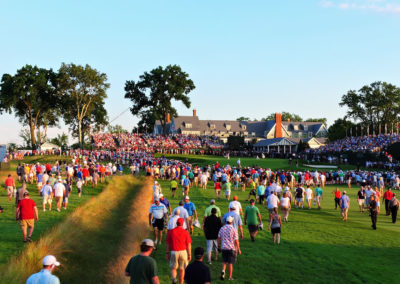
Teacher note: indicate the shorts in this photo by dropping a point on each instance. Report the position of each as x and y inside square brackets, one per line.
[30, 223]
[276, 230]
[299, 199]
[229, 256]
[361, 202]
[39, 184]
[159, 224]
[65, 199]
[318, 198]
[179, 259]
[309, 199]
[252, 192]
[344, 210]
[58, 199]
[173, 189]
[79, 190]
[227, 192]
[10, 190]
[47, 199]
[212, 245]
[253, 228]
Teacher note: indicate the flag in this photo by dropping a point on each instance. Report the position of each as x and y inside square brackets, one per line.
[385, 128]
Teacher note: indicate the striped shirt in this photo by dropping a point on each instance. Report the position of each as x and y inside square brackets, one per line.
[228, 235]
[158, 211]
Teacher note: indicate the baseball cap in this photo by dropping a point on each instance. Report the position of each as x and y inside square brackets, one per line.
[148, 242]
[180, 221]
[187, 197]
[155, 182]
[50, 260]
[235, 197]
[344, 191]
[198, 252]
[229, 219]
[26, 193]
[161, 195]
[212, 201]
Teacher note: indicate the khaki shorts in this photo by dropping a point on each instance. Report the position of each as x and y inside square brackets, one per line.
[10, 190]
[47, 199]
[361, 202]
[179, 259]
[26, 223]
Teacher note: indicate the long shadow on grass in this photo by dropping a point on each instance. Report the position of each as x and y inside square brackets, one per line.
[92, 250]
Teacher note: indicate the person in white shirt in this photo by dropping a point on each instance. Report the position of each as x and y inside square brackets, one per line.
[59, 191]
[47, 194]
[309, 196]
[156, 190]
[157, 218]
[172, 220]
[236, 204]
[285, 206]
[273, 202]
[183, 214]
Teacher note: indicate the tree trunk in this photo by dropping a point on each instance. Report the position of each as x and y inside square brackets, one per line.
[33, 137]
[80, 133]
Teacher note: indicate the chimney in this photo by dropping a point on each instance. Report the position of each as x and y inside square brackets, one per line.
[194, 112]
[168, 118]
[278, 125]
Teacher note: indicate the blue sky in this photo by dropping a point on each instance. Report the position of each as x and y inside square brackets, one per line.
[246, 58]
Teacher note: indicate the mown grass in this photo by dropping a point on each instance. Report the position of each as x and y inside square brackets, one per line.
[85, 241]
[274, 164]
[316, 247]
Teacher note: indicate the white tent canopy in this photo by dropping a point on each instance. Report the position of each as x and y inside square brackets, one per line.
[49, 146]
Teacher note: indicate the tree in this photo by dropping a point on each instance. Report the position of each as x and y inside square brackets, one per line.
[61, 140]
[339, 129]
[374, 104]
[25, 135]
[31, 95]
[155, 91]
[83, 90]
[146, 122]
[243, 118]
[285, 117]
[322, 120]
[115, 129]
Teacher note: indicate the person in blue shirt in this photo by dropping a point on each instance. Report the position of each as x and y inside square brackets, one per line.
[261, 193]
[186, 186]
[191, 209]
[165, 201]
[45, 276]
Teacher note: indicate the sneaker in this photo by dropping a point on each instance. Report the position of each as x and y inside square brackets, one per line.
[231, 279]
[223, 275]
[174, 281]
[58, 210]
[29, 239]
[209, 262]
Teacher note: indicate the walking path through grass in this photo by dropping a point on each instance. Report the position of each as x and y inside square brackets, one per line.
[86, 240]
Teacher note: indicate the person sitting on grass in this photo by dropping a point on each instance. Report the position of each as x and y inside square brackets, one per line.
[45, 276]
[142, 268]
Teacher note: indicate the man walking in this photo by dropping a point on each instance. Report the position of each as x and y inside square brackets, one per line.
[59, 192]
[237, 220]
[157, 217]
[388, 195]
[211, 227]
[361, 198]
[394, 207]
[197, 272]
[179, 244]
[229, 243]
[10, 187]
[344, 205]
[142, 268]
[373, 211]
[252, 218]
[27, 213]
[47, 195]
[337, 197]
[191, 209]
[45, 276]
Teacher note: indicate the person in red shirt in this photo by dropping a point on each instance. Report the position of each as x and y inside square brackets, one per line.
[179, 244]
[337, 197]
[26, 214]
[10, 186]
[85, 173]
[387, 195]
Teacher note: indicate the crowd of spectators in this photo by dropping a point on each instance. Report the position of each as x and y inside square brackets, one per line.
[155, 143]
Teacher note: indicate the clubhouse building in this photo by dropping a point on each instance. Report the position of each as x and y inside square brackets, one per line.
[272, 135]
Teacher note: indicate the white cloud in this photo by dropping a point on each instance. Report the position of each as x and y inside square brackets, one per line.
[378, 6]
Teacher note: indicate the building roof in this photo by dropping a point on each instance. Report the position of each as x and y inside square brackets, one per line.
[277, 141]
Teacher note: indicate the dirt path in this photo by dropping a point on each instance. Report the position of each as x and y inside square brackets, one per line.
[136, 230]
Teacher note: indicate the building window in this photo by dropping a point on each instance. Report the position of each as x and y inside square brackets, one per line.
[212, 126]
[228, 127]
[188, 125]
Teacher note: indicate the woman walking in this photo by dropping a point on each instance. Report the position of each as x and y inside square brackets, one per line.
[275, 224]
[285, 206]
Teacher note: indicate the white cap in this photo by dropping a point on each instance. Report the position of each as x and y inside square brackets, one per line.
[161, 195]
[155, 182]
[229, 219]
[50, 260]
[187, 197]
[148, 242]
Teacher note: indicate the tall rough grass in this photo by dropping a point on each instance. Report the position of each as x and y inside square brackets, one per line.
[75, 239]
